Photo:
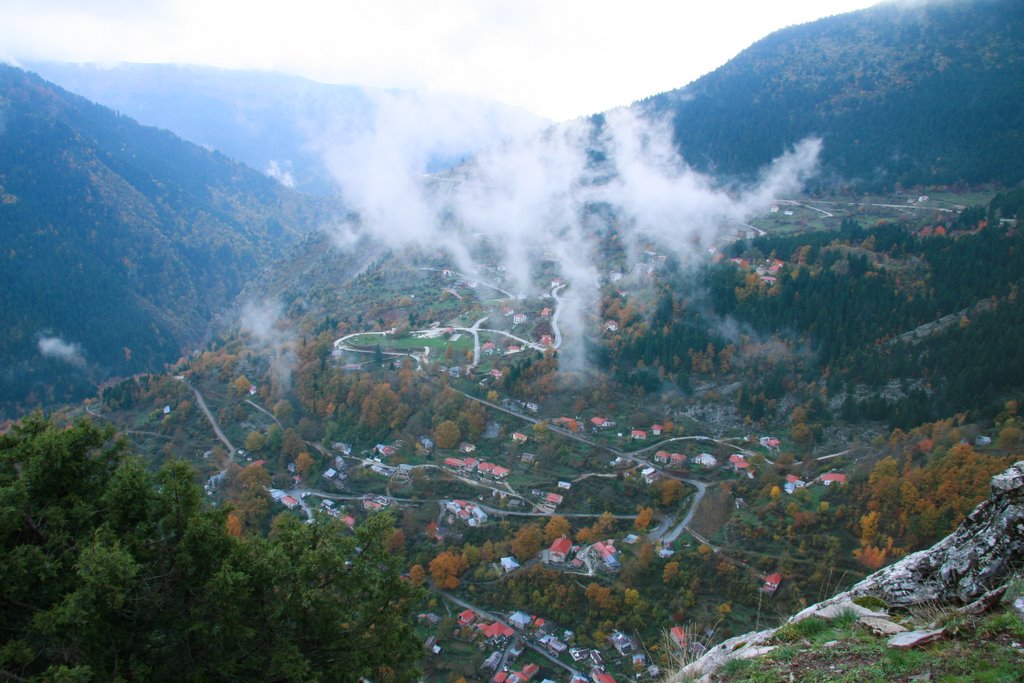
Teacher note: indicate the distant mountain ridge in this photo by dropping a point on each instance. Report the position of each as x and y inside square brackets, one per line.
[912, 94]
[281, 124]
[121, 242]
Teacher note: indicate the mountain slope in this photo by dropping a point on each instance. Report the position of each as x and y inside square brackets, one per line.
[282, 124]
[912, 94]
[120, 241]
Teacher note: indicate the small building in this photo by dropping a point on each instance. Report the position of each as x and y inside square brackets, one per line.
[331, 473]
[466, 447]
[676, 460]
[500, 472]
[565, 485]
[553, 499]
[793, 483]
[560, 550]
[661, 457]
[289, 502]
[638, 435]
[495, 632]
[771, 582]
[611, 326]
[650, 475]
[467, 617]
[705, 460]
[656, 429]
[520, 619]
[833, 478]
[679, 637]
[519, 437]
[509, 564]
[518, 318]
[622, 643]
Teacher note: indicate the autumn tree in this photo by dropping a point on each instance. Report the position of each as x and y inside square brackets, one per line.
[527, 542]
[254, 441]
[670, 573]
[644, 515]
[556, 527]
[447, 434]
[446, 568]
[417, 575]
[304, 463]
[672, 491]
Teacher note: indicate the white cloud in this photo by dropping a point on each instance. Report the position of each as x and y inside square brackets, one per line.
[57, 348]
[529, 198]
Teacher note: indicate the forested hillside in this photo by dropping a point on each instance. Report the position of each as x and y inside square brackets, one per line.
[120, 242]
[901, 93]
[113, 573]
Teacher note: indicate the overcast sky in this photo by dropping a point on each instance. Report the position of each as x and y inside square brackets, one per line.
[556, 58]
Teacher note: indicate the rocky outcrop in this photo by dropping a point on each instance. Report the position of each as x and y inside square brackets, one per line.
[966, 566]
[967, 563]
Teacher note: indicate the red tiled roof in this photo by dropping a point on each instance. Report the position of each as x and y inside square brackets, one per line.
[562, 545]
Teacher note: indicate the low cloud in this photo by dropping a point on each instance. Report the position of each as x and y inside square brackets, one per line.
[550, 196]
[58, 349]
[281, 172]
[267, 335]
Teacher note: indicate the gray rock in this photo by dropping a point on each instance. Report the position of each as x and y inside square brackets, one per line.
[1018, 607]
[909, 639]
[881, 627]
[969, 562]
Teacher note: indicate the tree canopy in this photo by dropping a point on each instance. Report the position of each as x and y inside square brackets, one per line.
[114, 573]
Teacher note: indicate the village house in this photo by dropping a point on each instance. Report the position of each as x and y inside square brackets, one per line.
[496, 373]
[518, 318]
[650, 475]
[676, 460]
[454, 463]
[499, 472]
[565, 485]
[560, 549]
[656, 429]
[679, 637]
[546, 340]
[513, 348]
[289, 502]
[769, 442]
[466, 447]
[519, 437]
[622, 643]
[509, 564]
[739, 462]
[833, 478]
[496, 632]
[606, 551]
[611, 326]
[520, 619]
[601, 423]
[638, 435]
[545, 313]
[705, 460]
[793, 483]
[771, 582]
[553, 499]
[661, 457]
[467, 617]
[488, 348]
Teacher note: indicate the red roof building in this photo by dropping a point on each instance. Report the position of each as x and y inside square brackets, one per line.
[496, 630]
[679, 637]
[771, 582]
[560, 549]
[833, 477]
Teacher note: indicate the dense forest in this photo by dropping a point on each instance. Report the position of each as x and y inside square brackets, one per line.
[121, 242]
[111, 572]
[901, 94]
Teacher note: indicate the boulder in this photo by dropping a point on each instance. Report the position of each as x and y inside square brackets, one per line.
[909, 639]
[881, 627]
